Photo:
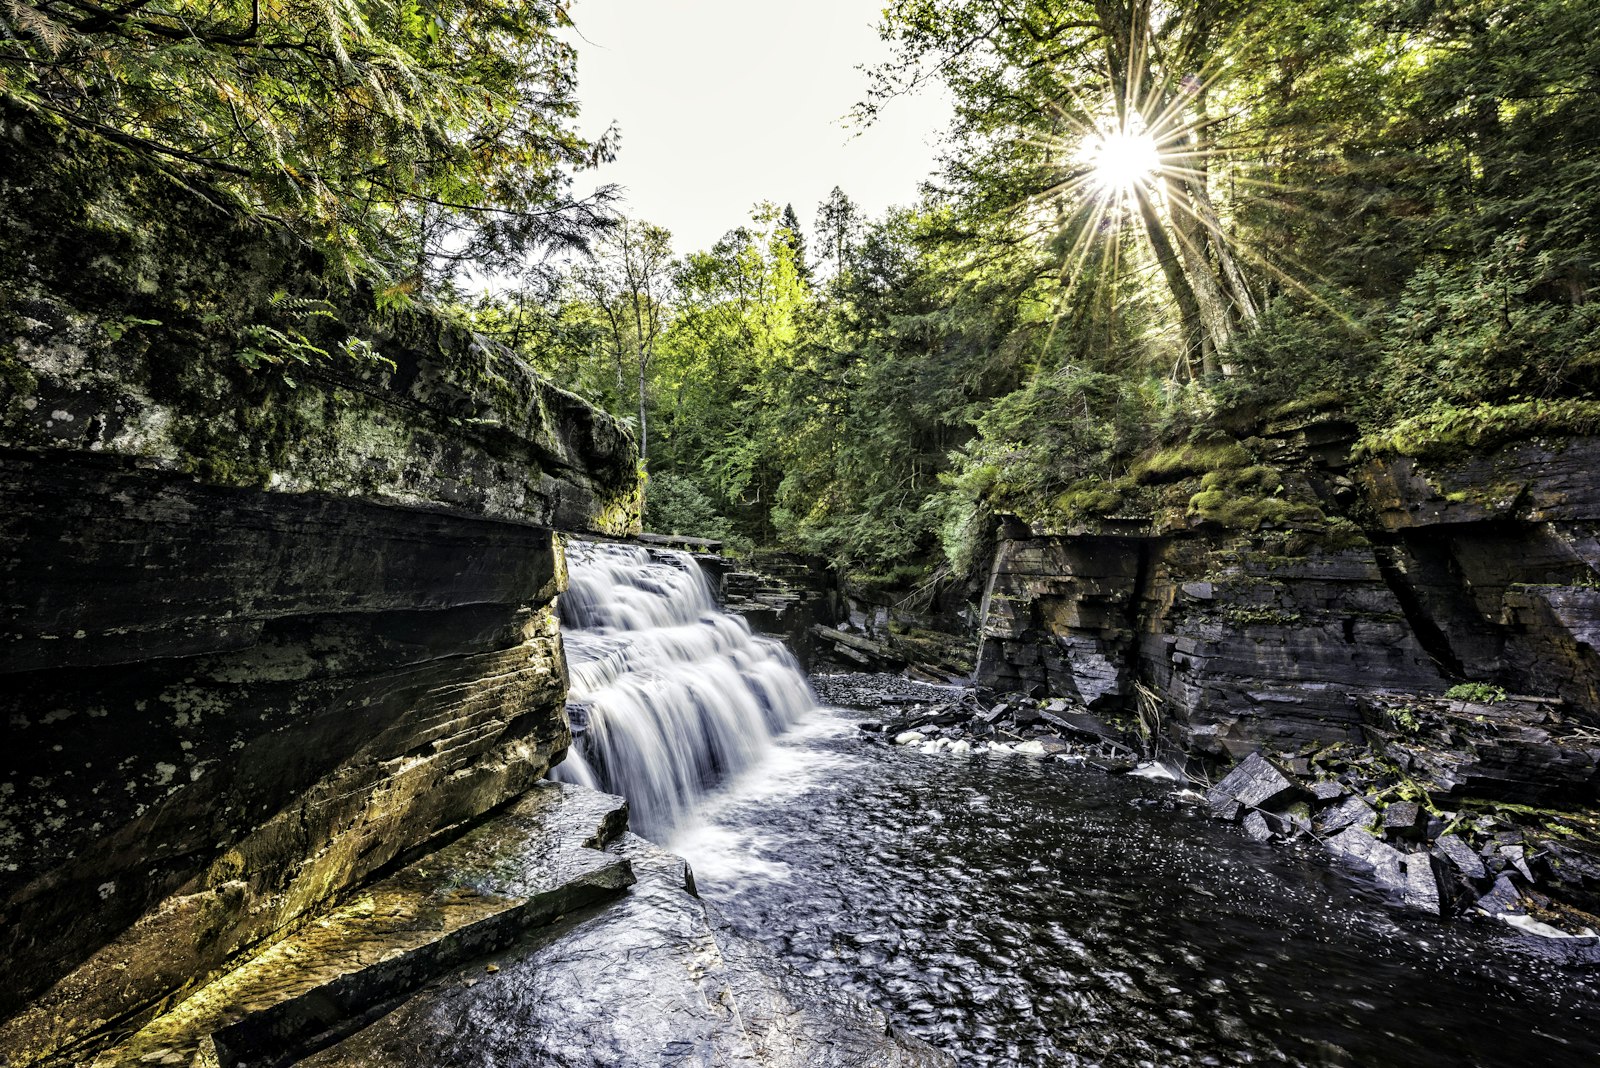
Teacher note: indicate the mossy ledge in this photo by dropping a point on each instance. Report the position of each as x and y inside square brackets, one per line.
[142, 318]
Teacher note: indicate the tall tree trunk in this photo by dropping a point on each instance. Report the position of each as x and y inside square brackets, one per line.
[644, 433]
[1209, 298]
[1188, 307]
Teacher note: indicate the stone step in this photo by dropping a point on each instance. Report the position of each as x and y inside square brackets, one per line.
[539, 861]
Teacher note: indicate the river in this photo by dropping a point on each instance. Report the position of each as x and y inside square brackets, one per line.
[1016, 912]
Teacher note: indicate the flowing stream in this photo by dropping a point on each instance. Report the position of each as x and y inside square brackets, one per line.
[1016, 912]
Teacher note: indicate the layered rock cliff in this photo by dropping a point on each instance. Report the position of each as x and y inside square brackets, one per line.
[1401, 575]
[279, 573]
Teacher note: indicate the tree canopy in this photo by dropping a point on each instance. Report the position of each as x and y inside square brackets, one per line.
[398, 135]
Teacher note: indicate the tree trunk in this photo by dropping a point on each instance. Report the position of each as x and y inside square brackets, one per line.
[1188, 307]
[1211, 301]
[644, 434]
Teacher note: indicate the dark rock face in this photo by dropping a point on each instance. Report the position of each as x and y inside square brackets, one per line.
[264, 637]
[1058, 617]
[1482, 568]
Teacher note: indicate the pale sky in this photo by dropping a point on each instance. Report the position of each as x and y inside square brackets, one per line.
[724, 103]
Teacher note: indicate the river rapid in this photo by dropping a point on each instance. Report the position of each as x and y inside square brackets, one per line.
[1015, 912]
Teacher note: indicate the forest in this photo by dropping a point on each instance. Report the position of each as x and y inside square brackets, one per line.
[1154, 228]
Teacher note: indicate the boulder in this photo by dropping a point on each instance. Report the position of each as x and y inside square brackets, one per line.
[1460, 856]
[1351, 812]
[1328, 790]
[1403, 819]
[1503, 898]
[1422, 890]
[1359, 848]
[1255, 783]
[1257, 826]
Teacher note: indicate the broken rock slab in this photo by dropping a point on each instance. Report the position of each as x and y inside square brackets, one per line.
[1351, 812]
[1255, 783]
[1460, 856]
[1359, 848]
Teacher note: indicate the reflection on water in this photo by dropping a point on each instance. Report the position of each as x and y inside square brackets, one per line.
[1019, 913]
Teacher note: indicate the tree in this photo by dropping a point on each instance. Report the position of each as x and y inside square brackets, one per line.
[628, 280]
[838, 228]
[1038, 83]
[723, 361]
[398, 137]
[789, 223]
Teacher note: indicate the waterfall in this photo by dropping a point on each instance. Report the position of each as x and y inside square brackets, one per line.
[669, 694]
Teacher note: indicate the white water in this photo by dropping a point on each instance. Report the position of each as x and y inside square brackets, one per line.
[678, 694]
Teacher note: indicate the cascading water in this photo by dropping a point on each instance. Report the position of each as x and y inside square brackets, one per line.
[670, 693]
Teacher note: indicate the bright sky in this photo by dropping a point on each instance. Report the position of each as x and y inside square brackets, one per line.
[724, 103]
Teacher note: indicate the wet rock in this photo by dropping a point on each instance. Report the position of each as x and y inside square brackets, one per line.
[1422, 886]
[1359, 848]
[1460, 856]
[521, 871]
[1503, 898]
[1516, 857]
[1351, 812]
[1257, 826]
[1295, 818]
[1403, 819]
[656, 977]
[1328, 790]
[1255, 783]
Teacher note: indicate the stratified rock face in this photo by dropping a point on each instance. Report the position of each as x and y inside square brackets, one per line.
[1251, 646]
[138, 319]
[1485, 568]
[1058, 617]
[265, 635]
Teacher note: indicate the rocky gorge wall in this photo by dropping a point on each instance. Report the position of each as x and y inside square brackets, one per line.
[1406, 576]
[276, 620]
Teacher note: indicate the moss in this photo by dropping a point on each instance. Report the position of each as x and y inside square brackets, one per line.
[1186, 461]
[1092, 498]
[1228, 509]
[1324, 401]
[1259, 615]
[1447, 432]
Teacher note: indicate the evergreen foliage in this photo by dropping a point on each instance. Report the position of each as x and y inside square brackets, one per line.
[1157, 228]
[401, 137]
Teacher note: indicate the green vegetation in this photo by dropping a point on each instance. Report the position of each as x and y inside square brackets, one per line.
[399, 137]
[1371, 214]
[1476, 692]
[1381, 219]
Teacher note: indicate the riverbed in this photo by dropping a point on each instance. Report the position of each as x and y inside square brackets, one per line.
[1015, 912]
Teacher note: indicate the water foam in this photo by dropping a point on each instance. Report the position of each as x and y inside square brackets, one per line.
[676, 695]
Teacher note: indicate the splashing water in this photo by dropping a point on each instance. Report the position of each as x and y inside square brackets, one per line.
[677, 695]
